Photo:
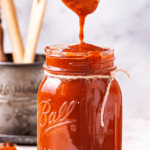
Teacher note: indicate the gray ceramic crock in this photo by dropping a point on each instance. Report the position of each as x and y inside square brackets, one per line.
[18, 96]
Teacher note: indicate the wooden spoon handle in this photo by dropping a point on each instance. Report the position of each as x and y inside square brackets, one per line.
[37, 13]
[13, 28]
[2, 55]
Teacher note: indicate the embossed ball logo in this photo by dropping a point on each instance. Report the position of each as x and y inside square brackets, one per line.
[56, 119]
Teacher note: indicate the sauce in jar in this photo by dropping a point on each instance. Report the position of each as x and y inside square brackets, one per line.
[69, 106]
[79, 103]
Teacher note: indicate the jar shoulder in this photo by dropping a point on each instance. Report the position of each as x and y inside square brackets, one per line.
[55, 86]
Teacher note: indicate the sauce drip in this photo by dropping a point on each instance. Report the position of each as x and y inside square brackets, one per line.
[82, 8]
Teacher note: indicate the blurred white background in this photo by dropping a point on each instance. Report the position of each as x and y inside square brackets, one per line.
[121, 24]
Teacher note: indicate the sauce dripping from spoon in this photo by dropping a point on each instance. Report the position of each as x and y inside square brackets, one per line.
[82, 8]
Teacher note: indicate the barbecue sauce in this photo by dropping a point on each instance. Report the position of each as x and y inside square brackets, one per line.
[69, 110]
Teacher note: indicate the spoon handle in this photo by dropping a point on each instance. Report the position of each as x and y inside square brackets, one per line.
[2, 55]
[13, 28]
[37, 13]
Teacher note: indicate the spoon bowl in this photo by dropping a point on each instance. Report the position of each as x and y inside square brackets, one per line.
[82, 7]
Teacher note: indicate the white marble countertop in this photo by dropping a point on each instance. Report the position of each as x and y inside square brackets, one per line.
[136, 135]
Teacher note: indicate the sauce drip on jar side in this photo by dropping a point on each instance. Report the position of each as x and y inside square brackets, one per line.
[82, 8]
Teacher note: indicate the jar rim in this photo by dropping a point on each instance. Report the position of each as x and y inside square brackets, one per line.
[72, 61]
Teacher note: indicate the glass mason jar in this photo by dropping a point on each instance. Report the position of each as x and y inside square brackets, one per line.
[70, 101]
